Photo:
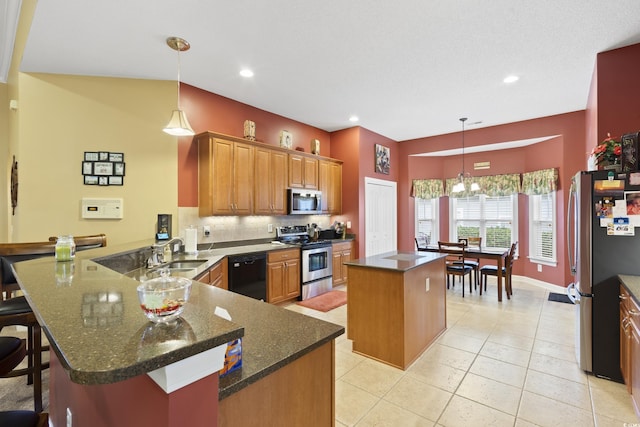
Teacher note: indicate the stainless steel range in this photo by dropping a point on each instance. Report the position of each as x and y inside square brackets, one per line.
[317, 256]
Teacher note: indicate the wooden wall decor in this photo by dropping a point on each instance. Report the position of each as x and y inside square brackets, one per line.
[630, 152]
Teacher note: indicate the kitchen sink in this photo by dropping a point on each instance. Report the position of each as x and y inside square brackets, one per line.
[184, 264]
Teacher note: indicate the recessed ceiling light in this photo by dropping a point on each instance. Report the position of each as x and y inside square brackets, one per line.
[353, 119]
[511, 79]
[246, 73]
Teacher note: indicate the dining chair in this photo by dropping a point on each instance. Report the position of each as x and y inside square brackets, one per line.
[474, 263]
[454, 262]
[492, 270]
[12, 351]
[421, 242]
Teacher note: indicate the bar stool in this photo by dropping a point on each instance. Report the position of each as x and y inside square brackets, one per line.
[16, 310]
[12, 352]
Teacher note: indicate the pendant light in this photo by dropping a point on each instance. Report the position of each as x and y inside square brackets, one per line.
[178, 124]
[459, 187]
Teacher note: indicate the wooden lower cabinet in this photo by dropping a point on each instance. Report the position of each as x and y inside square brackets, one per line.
[283, 275]
[216, 275]
[630, 345]
[301, 393]
[391, 317]
[341, 253]
[625, 337]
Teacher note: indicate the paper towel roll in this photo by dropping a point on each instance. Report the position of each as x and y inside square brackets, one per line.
[191, 240]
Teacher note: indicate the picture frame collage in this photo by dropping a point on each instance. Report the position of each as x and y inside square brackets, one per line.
[103, 168]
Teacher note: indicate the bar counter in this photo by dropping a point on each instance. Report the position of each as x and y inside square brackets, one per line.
[100, 335]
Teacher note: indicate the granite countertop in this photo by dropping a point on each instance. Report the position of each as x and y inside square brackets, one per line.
[99, 333]
[399, 261]
[632, 283]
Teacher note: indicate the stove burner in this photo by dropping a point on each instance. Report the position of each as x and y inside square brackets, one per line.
[299, 234]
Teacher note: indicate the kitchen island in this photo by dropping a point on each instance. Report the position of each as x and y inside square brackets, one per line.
[105, 352]
[396, 305]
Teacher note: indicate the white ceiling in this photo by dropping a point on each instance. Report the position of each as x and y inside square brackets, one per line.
[407, 68]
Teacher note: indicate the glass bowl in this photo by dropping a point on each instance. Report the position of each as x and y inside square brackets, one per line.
[162, 299]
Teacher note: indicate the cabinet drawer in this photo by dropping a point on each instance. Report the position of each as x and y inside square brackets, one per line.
[203, 278]
[215, 272]
[279, 256]
[342, 246]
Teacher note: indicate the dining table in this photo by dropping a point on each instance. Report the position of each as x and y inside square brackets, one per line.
[499, 255]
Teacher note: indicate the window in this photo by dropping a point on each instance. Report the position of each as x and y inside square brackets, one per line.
[495, 219]
[542, 228]
[427, 219]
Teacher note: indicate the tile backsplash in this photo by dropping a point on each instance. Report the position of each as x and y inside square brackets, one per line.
[232, 228]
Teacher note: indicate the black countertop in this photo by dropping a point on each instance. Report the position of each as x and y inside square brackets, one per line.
[398, 261]
[100, 334]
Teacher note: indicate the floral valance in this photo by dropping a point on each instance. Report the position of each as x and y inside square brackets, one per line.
[427, 188]
[540, 182]
[492, 185]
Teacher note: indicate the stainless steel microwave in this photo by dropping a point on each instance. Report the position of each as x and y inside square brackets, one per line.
[304, 202]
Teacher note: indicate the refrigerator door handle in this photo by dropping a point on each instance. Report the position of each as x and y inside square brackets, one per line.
[571, 224]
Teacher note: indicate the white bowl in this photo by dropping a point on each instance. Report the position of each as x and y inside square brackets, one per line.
[162, 299]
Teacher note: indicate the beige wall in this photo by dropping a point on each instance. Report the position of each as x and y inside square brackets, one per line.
[61, 117]
[5, 162]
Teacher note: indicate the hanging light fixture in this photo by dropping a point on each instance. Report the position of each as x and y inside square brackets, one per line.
[459, 186]
[178, 124]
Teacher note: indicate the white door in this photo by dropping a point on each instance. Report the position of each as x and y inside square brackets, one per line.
[380, 198]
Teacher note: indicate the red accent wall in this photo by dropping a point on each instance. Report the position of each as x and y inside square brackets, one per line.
[367, 168]
[618, 91]
[210, 112]
[135, 402]
[345, 145]
[610, 108]
[565, 152]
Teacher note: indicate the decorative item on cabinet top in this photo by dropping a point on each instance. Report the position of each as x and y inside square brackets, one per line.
[249, 130]
[629, 143]
[315, 146]
[103, 168]
[286, 139]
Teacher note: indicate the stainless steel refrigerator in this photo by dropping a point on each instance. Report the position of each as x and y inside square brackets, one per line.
[596, 259]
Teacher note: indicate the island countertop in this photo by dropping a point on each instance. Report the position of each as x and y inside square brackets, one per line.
[398, 261]
[100, 334]
[632, 283]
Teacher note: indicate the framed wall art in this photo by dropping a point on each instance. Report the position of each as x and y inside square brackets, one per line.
[103, 168]
[383, 164]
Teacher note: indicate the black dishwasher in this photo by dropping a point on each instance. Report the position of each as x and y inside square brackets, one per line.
[248, 275]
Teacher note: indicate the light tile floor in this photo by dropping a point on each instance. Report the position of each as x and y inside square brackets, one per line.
[497, 364]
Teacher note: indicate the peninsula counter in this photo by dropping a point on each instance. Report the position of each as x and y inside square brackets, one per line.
[103, 348]
[396, 305]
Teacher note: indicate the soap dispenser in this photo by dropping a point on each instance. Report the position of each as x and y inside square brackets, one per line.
[167, 254]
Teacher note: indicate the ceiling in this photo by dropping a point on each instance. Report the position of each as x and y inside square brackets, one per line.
[407, 69]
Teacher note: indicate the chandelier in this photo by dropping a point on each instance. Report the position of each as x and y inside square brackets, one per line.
[459, 186]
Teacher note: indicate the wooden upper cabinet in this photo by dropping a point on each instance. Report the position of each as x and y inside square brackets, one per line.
[330, 183]
[225, 176]
[303, 171]
[270, 189]
[240, 177]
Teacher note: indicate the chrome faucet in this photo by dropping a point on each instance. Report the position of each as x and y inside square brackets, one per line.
[157, 256]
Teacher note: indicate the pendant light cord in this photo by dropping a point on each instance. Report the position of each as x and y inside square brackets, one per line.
[463, 119]
[178, 77]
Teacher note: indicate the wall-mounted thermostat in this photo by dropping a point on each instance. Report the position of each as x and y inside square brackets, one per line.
[102, 208]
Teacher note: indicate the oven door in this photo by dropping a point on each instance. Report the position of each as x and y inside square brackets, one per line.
[317, 263]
